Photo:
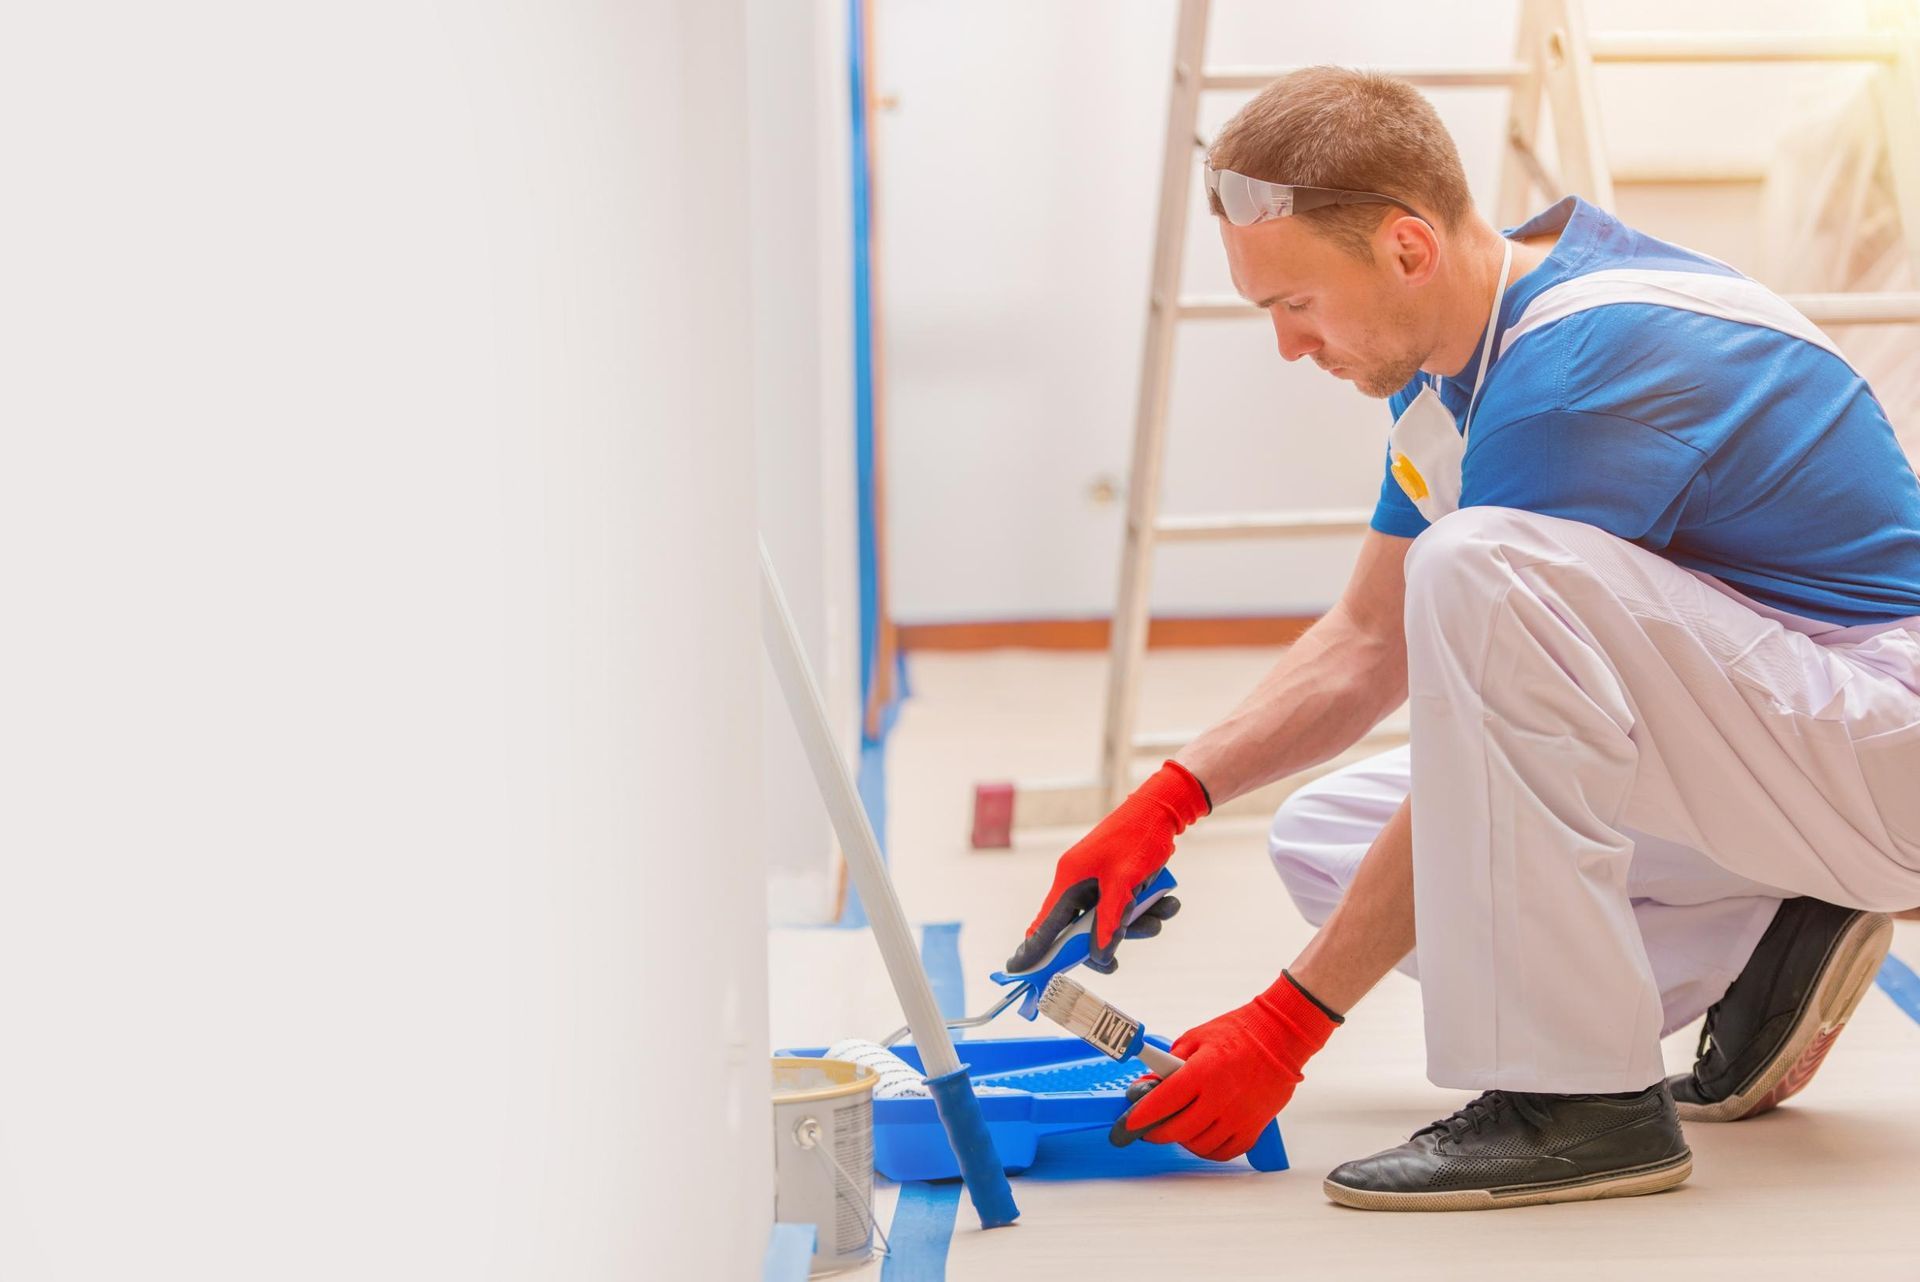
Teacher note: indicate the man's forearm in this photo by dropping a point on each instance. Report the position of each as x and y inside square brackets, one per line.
[1371, 929]
[1329, 688]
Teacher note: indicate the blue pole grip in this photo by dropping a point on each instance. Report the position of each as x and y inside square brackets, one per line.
[1268, 1152]
[980, 1165]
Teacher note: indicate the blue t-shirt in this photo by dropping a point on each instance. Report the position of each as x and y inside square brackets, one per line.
[1730, 448]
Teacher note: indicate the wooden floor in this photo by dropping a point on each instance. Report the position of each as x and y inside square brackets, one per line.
[1827, 1186]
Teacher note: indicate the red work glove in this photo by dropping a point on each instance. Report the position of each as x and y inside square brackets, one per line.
[1110, 864]
[1240, 1070]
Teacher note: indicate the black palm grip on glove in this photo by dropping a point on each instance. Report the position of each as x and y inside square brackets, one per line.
[1076, 900]
[1106, 870]
[1120, 1136]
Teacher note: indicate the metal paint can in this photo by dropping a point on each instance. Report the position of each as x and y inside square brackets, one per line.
[823, 1156]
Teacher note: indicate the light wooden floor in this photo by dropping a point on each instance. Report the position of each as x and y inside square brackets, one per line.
[1827, 1186]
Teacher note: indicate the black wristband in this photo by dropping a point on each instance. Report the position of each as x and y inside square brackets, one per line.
[1203, 788]
[1300, 988]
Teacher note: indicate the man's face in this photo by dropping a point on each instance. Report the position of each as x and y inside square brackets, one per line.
[1359, 321]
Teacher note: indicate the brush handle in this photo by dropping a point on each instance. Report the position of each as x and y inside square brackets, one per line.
[1161, 1062]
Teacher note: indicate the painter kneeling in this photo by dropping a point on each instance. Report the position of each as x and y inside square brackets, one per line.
[1646, 564]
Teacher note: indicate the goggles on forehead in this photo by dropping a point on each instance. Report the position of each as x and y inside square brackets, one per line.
[1246, 201]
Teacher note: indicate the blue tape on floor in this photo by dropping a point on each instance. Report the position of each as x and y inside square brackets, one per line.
[789, 1253]
[940, 956]
[1897, 980]
[922, 1228]
[923, 1218]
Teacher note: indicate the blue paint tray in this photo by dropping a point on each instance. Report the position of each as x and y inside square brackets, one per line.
[1057, 1085]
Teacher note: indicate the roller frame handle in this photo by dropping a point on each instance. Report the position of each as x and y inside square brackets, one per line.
[1075, 942]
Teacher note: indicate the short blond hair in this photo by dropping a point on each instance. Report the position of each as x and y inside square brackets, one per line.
[1352, 130]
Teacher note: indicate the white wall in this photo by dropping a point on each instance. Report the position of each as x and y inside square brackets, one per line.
[1017, 178]
[381, 893]
[797, 175]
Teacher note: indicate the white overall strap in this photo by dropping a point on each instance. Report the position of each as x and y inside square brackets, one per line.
[1732, 298]
[1486, 348]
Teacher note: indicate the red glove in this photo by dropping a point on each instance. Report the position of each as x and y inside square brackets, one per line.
[1110, 864]
[1240, 1070]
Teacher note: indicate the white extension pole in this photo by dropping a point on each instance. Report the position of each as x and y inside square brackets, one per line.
[953, 1097]
[861, 847]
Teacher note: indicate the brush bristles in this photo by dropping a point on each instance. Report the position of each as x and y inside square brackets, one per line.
[1087, 1017]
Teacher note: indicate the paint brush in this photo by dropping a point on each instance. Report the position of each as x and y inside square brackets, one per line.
[1101, 1025]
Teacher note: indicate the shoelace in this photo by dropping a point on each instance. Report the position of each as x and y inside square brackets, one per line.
[1485, 1108]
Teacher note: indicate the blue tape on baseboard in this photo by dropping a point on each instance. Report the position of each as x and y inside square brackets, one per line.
[1897, 980]
[921, 1231]
[789, 1253]
[940, 956]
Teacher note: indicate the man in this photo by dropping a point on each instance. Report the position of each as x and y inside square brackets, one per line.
[1646, 564]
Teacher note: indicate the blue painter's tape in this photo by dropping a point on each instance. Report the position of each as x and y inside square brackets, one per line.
[1897, 980]
[871, 780]
[940, 956]
[789, 1253]
[921, 1231]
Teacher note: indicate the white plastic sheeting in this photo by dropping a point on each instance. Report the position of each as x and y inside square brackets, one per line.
[1830, 224]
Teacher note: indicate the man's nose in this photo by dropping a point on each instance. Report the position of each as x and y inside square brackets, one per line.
[1294, 341]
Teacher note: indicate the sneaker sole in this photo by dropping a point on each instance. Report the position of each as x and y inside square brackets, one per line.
[1852, 964]
[1628, 1183]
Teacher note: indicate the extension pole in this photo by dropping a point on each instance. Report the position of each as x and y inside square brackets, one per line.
[946, 1076]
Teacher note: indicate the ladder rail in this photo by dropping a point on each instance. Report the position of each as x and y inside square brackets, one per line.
[1129, 638]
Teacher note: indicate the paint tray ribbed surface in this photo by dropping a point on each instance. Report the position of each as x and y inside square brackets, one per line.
[1046, 1087]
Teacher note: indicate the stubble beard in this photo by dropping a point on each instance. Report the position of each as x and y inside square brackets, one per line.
[1382, 378]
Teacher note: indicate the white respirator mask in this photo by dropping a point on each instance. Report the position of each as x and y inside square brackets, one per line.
[1427, 446]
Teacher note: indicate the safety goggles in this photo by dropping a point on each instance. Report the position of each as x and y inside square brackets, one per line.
[1247, 201]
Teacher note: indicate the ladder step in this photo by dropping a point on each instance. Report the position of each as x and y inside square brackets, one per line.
[1858, 309]
[1782, 46]
[1262, 525]
[1821, 309]
[1503, 76]
[1223, 307]
[1683, 174]
[1388, 734]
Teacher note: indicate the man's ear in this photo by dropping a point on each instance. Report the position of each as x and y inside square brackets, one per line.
[1412, 248]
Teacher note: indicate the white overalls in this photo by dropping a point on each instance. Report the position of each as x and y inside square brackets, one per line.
[1618, 765]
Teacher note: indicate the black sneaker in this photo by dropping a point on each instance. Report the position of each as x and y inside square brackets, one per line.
[1764, 1040]
[1507, 1148]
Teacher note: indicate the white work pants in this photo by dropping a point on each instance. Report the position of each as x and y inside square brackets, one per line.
[1593, 726]
[1697, 921]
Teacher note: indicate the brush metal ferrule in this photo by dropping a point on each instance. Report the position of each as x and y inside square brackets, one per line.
[1104, 1027]
[1116, 1033]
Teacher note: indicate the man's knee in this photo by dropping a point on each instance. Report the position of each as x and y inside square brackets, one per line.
[1314, 872]
[1453, 554]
